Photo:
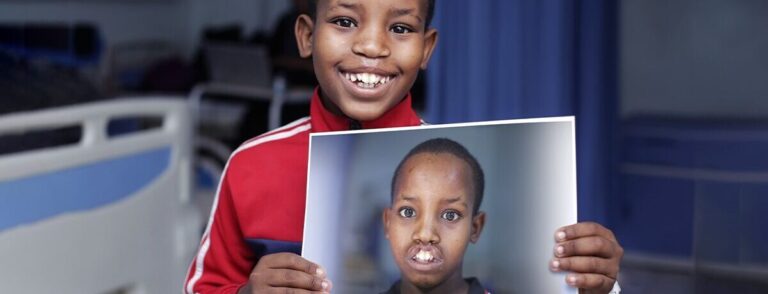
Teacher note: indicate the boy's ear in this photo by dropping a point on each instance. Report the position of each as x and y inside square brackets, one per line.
[478, 222]
[385, 220]
[430, 41]
[304, 29]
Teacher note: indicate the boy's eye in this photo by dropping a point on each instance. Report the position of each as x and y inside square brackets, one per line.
[407, 212]
[450, 215]
[344, 22]
[401, 29]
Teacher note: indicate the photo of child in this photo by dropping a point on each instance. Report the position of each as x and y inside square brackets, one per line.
[464, 208]
[437, 190]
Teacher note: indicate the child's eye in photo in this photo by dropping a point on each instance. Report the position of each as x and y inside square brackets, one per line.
[407, 212]
[451, 215]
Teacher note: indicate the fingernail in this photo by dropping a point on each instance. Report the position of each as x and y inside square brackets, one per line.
[571, 280]
[555, 265]
[560, 235]
[325, 285]
[560, 250]
[319, 272]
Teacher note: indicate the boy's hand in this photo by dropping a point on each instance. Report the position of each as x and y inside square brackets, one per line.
[286, 273]
[591, 253]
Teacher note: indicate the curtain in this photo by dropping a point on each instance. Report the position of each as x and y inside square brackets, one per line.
[504, 59]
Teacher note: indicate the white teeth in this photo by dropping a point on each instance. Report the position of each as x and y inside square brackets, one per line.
[367, 80]
[424, 256]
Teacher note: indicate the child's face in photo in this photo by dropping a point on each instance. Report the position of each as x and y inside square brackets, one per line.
[431, 222]
[366, 53]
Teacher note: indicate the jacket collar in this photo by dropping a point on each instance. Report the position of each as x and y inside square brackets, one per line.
[402, 115]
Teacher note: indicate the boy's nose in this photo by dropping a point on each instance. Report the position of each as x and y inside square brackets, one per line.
[371, 43]
[426, 232]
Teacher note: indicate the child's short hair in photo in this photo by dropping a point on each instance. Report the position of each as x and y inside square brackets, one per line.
[444, 145]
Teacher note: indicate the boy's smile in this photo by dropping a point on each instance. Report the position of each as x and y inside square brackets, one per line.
[366, 53]
[431, 220]
[367, 82]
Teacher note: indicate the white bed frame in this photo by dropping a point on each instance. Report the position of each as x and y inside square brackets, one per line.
[140, 244]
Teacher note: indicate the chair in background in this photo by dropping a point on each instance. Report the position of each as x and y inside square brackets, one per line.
[242, 72]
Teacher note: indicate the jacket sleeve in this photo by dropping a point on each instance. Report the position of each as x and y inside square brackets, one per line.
[223, 261]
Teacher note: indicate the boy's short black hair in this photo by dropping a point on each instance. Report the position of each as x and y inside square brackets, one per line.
[444, 145]
[430, 10]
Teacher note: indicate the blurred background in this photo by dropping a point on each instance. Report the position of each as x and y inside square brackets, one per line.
[670, 99]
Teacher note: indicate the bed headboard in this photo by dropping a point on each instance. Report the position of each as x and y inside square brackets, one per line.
[108, 213]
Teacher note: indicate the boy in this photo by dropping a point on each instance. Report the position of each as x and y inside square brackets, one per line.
[436, 194]
[366, 55]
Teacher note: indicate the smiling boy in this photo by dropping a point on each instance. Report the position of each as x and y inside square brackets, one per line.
[436, 194]
[366, 55]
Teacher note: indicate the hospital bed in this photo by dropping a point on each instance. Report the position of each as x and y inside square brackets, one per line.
[110, 213]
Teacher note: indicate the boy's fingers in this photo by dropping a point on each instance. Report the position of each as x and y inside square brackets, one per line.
[581, 230]
[296, 279]
[292, 261]
[590, 281]
[291, 291]
[587, 246]
[582, 264]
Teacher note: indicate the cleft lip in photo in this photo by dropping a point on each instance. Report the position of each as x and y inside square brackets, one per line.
[424, 257]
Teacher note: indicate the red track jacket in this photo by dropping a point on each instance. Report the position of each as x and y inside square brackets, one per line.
[259, 204]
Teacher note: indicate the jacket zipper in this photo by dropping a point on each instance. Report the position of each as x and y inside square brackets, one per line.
[354, 125]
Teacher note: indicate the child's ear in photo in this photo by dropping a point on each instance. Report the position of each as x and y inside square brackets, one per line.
[478, 222]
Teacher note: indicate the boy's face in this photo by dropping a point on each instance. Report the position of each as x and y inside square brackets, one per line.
[366, 53]
[431, 221]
